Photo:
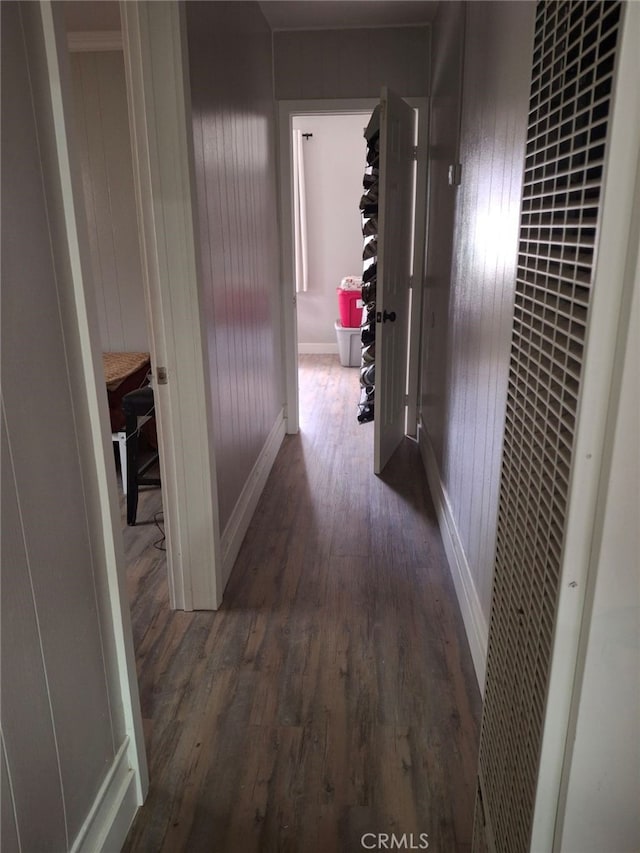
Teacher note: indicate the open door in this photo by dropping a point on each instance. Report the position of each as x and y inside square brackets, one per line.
[393, 274]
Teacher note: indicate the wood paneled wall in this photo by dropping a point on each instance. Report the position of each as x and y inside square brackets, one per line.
[103, 145]
[447, 48]
[353, 63]
[233, 131]
[61, 710]
[473, 233]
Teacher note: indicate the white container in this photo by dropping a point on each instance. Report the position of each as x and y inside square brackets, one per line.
[349, 347]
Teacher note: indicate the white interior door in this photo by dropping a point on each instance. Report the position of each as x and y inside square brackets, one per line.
[393, 274]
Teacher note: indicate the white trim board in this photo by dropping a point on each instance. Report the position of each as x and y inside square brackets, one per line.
[238, 524]
[475, 624]
[99, 484]
[155, 57]
[111, 815]
[317, 349]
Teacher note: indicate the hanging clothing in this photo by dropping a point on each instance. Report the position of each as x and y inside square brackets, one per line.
[369, 210]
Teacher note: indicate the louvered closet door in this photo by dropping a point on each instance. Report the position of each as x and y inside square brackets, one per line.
[572, 79]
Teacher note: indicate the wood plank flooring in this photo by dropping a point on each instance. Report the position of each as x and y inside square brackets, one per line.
[333, 694]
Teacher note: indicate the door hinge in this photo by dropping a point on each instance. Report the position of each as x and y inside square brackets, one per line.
[161, 375]
[414, 153]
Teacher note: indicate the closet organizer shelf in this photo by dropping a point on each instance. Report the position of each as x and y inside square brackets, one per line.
[369, 211]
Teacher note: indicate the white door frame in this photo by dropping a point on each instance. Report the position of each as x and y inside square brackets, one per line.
[126, 782]
[396, 227]
[169, 255]
[286, 111]
[158, 94]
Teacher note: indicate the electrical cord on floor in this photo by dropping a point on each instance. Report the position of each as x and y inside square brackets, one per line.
[159, 543]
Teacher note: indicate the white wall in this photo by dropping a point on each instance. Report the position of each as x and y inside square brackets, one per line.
[351, 63]
[334, 162]
[470, 280]
[104, 149]
[603, 790]
[64, 712]
[447, 56]
[234, 145]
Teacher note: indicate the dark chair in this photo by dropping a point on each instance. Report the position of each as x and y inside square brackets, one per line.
[138, 407]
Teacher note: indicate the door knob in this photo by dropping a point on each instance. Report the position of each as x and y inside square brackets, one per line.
[382, 318]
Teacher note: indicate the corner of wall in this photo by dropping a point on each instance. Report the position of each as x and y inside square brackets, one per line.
[238, 524]
[113, 809]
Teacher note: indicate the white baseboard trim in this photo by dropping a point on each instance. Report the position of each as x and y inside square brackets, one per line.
[474, 620]
[113, 809]
[242, 514]
[317, 349]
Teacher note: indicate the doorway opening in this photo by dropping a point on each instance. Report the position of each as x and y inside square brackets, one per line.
[303, 113]
[103, 152]
[181, 390]
[329, 153]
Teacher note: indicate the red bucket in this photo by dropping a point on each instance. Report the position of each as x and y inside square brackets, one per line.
[350, 305]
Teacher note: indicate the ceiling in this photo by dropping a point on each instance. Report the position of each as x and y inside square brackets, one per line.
[336, 14]
[91, 15]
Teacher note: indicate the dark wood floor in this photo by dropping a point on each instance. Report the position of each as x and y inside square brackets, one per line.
[333, 694]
